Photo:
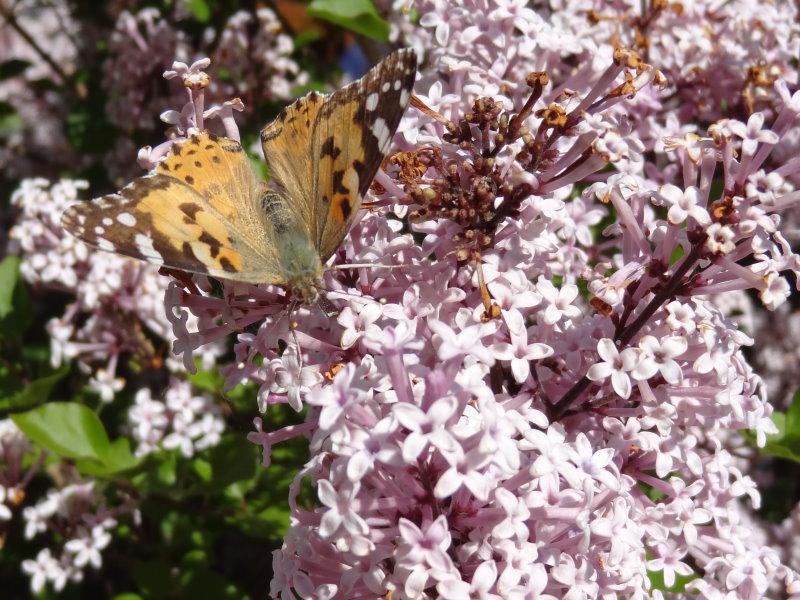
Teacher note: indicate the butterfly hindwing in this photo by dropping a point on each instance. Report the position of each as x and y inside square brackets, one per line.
[351, 136]
[198, 212]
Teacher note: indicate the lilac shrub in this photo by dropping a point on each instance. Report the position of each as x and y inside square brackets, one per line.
[541, 400]
[116, 313]
[537, 388]
[258, 65]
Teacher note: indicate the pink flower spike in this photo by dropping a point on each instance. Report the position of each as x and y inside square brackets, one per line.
[658, 356]
[519, 352]
[427, 546]
[752, 134]
[342, 509]
[616, 364]
[225, 113]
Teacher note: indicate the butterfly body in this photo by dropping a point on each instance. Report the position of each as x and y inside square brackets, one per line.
[203, 210]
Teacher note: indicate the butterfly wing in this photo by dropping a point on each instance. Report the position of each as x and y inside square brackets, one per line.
[286, 143]
[351, 136]
[198, 212]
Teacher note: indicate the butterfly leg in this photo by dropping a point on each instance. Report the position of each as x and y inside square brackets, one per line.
[292, 327]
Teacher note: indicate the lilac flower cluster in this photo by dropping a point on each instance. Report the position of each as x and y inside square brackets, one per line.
[541, 398]
[109, 290]
[74, 512]
[183, 420]
[255, 53]
[142, 46]
[719, 57]
[42, 113]
[117, 315]
[480, 428]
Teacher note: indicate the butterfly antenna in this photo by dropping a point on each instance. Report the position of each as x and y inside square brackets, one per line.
[292, 326]
[335, 311]
[364, 266]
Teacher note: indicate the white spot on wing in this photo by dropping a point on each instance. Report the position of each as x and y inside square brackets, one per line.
[385, 87]
[99, 230]
[397, 84]
[104, 244]
[144, 244]
[107, 221]
[372, 101]
[127, 219]
[381, 133]
[404, 96]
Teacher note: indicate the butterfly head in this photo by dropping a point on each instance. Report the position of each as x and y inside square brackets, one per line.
[306, 291]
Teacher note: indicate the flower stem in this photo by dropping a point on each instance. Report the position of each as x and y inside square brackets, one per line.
[557, 410]
[7, 14]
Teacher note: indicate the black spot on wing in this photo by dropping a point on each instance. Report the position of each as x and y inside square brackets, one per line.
[144, 186]
[338, 186]
[344, 206]
[226, 265]
[329, 148]
[213, 243]
[190, 209]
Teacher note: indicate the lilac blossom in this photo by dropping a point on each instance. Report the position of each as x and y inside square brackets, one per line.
[484, 417]
[476, 404]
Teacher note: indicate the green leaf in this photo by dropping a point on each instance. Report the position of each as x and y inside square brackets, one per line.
[792, 423]
[127, 596]
[36, 392]
[233, 459]
[167, 472]
[271, 524]
[15, 309]
[657, 581]
[155, 579]
[203, 469]
[9, 276]
[208, 381]
[68, 429]
[356, 15]
[205, 584]
[116, 459]
[15, 324]
[200, 10]
[304, 38]
[12, 68]
[158, 475]
[71, 430]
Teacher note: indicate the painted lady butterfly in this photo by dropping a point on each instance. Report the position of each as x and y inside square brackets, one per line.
[203, 209]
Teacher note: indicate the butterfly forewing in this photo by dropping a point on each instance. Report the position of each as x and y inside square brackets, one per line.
[198, 212]
[351, 136]
[286, 143]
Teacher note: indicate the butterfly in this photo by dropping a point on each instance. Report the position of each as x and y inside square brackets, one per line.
[204, 210]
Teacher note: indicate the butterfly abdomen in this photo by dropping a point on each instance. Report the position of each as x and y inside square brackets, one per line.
[276, 211]
[299, 258]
